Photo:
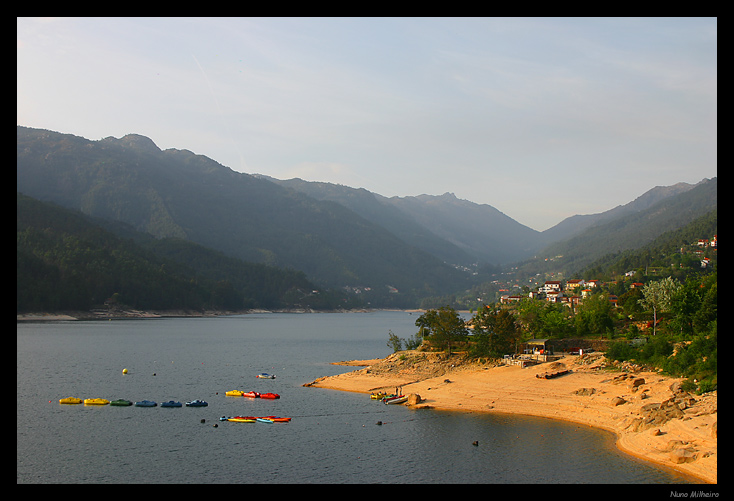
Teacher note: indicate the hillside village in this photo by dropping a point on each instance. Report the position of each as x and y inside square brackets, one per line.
[572, 292]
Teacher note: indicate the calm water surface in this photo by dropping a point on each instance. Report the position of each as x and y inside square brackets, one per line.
[332, 438]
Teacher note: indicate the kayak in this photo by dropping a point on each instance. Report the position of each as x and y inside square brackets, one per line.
[269, 395]
[239, 393]
[96, 401]
[171, 403]
[196, 403]
[145, 403]
[380, 396]
[242, 419]
[71, 400]
[278, 419]
[121, 402]
[396, 400]
[265, 375]
[264, 420]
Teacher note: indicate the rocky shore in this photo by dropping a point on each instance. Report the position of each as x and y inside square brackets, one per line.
[652, 417]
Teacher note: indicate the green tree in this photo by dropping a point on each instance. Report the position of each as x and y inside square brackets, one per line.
[630, 301]
[496, 332]
[444, 327]
[542, 318]
[555, 321]
[594, 315]
[530, 314]
[394, 342]
[657, 296]
[398, 343]
[708, 311]
[684, 304]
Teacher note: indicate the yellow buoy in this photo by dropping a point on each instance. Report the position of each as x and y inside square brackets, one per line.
[124, 371]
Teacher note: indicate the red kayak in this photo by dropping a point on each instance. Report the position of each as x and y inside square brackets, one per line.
[269, 395]
[278, 419]
[251, 394]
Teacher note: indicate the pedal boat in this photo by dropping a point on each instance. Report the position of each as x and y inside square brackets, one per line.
[196, 403]
[121, 402]
[71, 401]
[145, 403]
[96, 401]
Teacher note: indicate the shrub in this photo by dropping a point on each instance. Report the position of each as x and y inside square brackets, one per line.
[621, 351]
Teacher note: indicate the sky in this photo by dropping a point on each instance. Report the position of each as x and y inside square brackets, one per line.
[541, 118]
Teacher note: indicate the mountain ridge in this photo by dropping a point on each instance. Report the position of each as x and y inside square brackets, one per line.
[577, 223]
[175, 193]
[338, 235]
[464, 240]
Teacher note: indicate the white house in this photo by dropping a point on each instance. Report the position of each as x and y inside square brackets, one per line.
[551, 286]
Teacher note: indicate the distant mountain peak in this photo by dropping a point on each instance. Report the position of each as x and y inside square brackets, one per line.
[135, 141]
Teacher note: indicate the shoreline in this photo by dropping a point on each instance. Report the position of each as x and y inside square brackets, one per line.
[130, 314]
[653, 421]
[651, 418]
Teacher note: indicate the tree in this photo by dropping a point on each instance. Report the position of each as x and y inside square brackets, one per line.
[398, 343]
[684, 304]
[630, 301]
[657, 296]
[555, 321]
[531, 314]
[708, 310]
[595, 315]
[542, 318]
[444, 326]
[495, 332]
[394, 342]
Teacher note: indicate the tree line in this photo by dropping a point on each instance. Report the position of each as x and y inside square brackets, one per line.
[65, 261]
[681, 340]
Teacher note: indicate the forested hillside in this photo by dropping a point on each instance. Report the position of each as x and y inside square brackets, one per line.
[675, 251]
[175, 193]
[628, 232]
[65, 261]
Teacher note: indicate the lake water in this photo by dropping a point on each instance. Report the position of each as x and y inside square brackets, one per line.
[333, 436]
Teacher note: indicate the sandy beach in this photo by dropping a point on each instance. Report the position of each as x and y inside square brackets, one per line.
[651, 417]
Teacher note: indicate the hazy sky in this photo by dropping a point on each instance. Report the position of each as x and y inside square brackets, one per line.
[541, 118]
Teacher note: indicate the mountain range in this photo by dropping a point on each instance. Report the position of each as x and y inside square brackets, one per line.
[337, 235]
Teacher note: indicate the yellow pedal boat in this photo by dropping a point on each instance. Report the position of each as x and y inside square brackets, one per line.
[96, 401]
[71, 400]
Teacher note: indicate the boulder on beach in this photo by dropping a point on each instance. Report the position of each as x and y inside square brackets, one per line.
[679, 456]
[414, 398]
[618, 401]
[585, 392]
[635, 382]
